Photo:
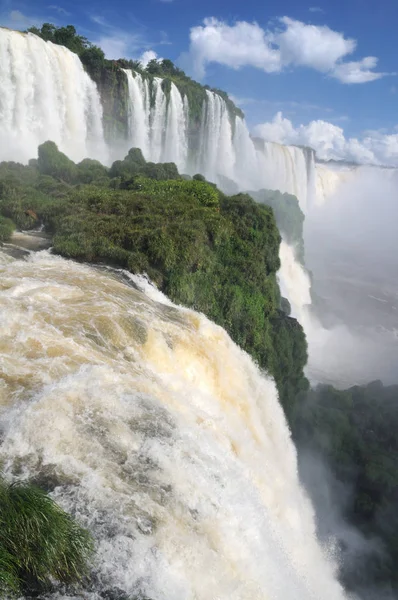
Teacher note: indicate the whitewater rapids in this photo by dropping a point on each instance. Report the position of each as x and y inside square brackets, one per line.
[158, 433]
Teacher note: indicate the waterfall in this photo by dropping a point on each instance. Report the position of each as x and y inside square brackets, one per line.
[247, 167]
[138, 113]
[160, 130]
[288, 169]
[157, 120]
[158, 433]
[217, 155]
[176, 135]
[46, 94]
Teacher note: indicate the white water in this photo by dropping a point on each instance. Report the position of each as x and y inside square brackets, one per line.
[288, 169]
[46, 94]
[163, 436]
[294, 283]
[160, 130]
[176, 134]
[139, 113]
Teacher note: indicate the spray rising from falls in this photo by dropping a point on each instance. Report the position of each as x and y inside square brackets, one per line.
[158, 433]
[46, 94]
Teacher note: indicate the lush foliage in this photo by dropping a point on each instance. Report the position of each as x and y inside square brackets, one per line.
[214, 253]
[6, 228]
[355, 432]
[39, 542]
[288, 214]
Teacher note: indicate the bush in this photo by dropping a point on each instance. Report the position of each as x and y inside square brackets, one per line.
[38, 541]
[216, 254]
[55, 163]
[6, 228]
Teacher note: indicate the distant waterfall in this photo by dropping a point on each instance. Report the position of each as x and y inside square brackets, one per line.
[138, 113]
[288, 169]
[176, 135]
[46, 94]
[217, 156]
[160, 129]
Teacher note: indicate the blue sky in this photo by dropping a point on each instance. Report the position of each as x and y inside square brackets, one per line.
[330, 62]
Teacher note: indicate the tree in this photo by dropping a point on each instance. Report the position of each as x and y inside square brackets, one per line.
[93, 59]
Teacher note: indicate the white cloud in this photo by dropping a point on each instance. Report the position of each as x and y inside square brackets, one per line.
[357, 72]
[329, 141]
[291, 43]
[147, 56]
[235, 46]
[316, 9]
[312, 46]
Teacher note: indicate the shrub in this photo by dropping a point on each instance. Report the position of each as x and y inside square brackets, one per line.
[55, 163]
[38, 541]
[6, 228]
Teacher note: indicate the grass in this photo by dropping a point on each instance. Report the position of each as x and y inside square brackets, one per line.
[39, 542]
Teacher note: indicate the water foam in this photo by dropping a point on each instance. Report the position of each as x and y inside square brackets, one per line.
[158, 433]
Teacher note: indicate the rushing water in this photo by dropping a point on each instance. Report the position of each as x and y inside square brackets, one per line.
[46, 94]
[158, 433]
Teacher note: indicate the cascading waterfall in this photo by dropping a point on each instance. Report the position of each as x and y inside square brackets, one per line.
[217, 156]
[160, 130]
[157, 120]
[158, 433]
[46, 94]
[176, 135]
[294, 283]
[288, 169]
[138, 115]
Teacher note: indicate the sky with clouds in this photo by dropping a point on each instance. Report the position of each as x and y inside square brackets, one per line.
[322, 74]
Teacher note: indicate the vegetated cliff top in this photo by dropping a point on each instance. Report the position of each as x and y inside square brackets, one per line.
[94, 61]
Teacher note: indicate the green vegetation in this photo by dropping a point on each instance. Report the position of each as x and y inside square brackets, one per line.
[214, 253]
[39, 542]
[354, 431]
[6, 228]
[288, 214]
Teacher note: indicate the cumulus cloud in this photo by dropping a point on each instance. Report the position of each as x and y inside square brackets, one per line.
[235, 46]
[290, 43]
[147, 56]
[330, 143]
[312, 46]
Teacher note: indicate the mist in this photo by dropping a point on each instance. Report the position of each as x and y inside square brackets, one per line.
[351, 247]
